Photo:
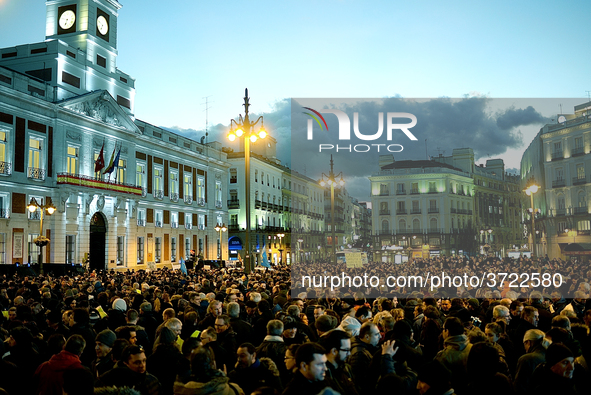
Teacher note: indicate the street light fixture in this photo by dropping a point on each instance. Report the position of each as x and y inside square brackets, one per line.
[529, 191]
[281, 236]
[331, 180]
[41, 241]
[245, 128]
[220, 228]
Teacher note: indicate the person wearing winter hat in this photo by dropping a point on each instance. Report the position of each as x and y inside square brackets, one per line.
[556, 375]
[434, 379]
[119, 304]
[103, 347]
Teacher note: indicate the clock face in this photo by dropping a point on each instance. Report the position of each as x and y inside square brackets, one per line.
[67, 19]
[102, 25]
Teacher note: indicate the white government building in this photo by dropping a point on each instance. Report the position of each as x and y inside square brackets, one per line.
[61, 101]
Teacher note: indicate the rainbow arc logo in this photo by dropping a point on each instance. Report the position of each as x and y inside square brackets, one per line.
[316, 117]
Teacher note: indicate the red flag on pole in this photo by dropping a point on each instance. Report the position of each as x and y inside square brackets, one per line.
[100, 161]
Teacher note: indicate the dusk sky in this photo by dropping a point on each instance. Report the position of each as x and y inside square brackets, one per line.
[180, 52]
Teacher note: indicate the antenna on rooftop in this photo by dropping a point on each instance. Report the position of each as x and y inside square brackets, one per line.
[588, 95]
[207, 107]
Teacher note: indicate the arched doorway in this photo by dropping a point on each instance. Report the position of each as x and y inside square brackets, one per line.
[98, 230]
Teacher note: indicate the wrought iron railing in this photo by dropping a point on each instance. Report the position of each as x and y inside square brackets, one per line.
[36, 174]
[174, 197]
[188, 199]
[5, 168]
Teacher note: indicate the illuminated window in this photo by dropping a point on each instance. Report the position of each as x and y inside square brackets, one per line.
[72, 160]
[140, 171]
[121, 170]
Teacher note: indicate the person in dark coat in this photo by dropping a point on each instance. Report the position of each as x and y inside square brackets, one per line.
[338, 374]
[273, 346]
[251, 372]
[205, 378]
[434, 379]
[80, 325]
[131, 372]
[242, 328]
[24, 355]
[535, 346]
[226, 335]
[555, 376]
[363, 347]
[103, 347]
[165, 360]
[309, 379]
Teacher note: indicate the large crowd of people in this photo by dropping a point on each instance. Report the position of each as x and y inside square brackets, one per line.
[223, 331]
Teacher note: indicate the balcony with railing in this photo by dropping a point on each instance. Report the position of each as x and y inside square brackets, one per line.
[415, 210]
[188, 199]
[581, 210]
[174, 197]
[400, 192]
[35, 215]
[577, 151]
[414, 191]
[4, 213]
[561, 211]
[454, 210]
[401, 211]
[158, 194]
[257, 204]
[201, 201]
[433, 210]
[384, 212]
[219, 204]
[233, 204]
[5, 168]
[141, 222]
[144, 191]
[580, 180]
[464, 211]
[233, 180]
[558, 183]
[159, 224]
[174, 225]
[36, 174]
[233, 227]
[557, 155]
[189, 226]
[91, 182]
[432, 190]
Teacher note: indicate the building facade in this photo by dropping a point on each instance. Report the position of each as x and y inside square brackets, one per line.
[426, 208]
[163, 194]
[558, 161]
[286, 210]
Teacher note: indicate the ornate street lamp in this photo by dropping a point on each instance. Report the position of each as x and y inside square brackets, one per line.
[331, 180]
[41, 241]
[281, 236]
[529, 191]
[244, 128]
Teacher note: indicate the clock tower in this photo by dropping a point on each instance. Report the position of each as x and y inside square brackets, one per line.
[79, 54]
[89, 25]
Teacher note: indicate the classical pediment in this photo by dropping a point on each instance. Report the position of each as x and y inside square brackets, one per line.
[101, 106]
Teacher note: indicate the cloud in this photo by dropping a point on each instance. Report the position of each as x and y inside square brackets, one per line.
[514, 117]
